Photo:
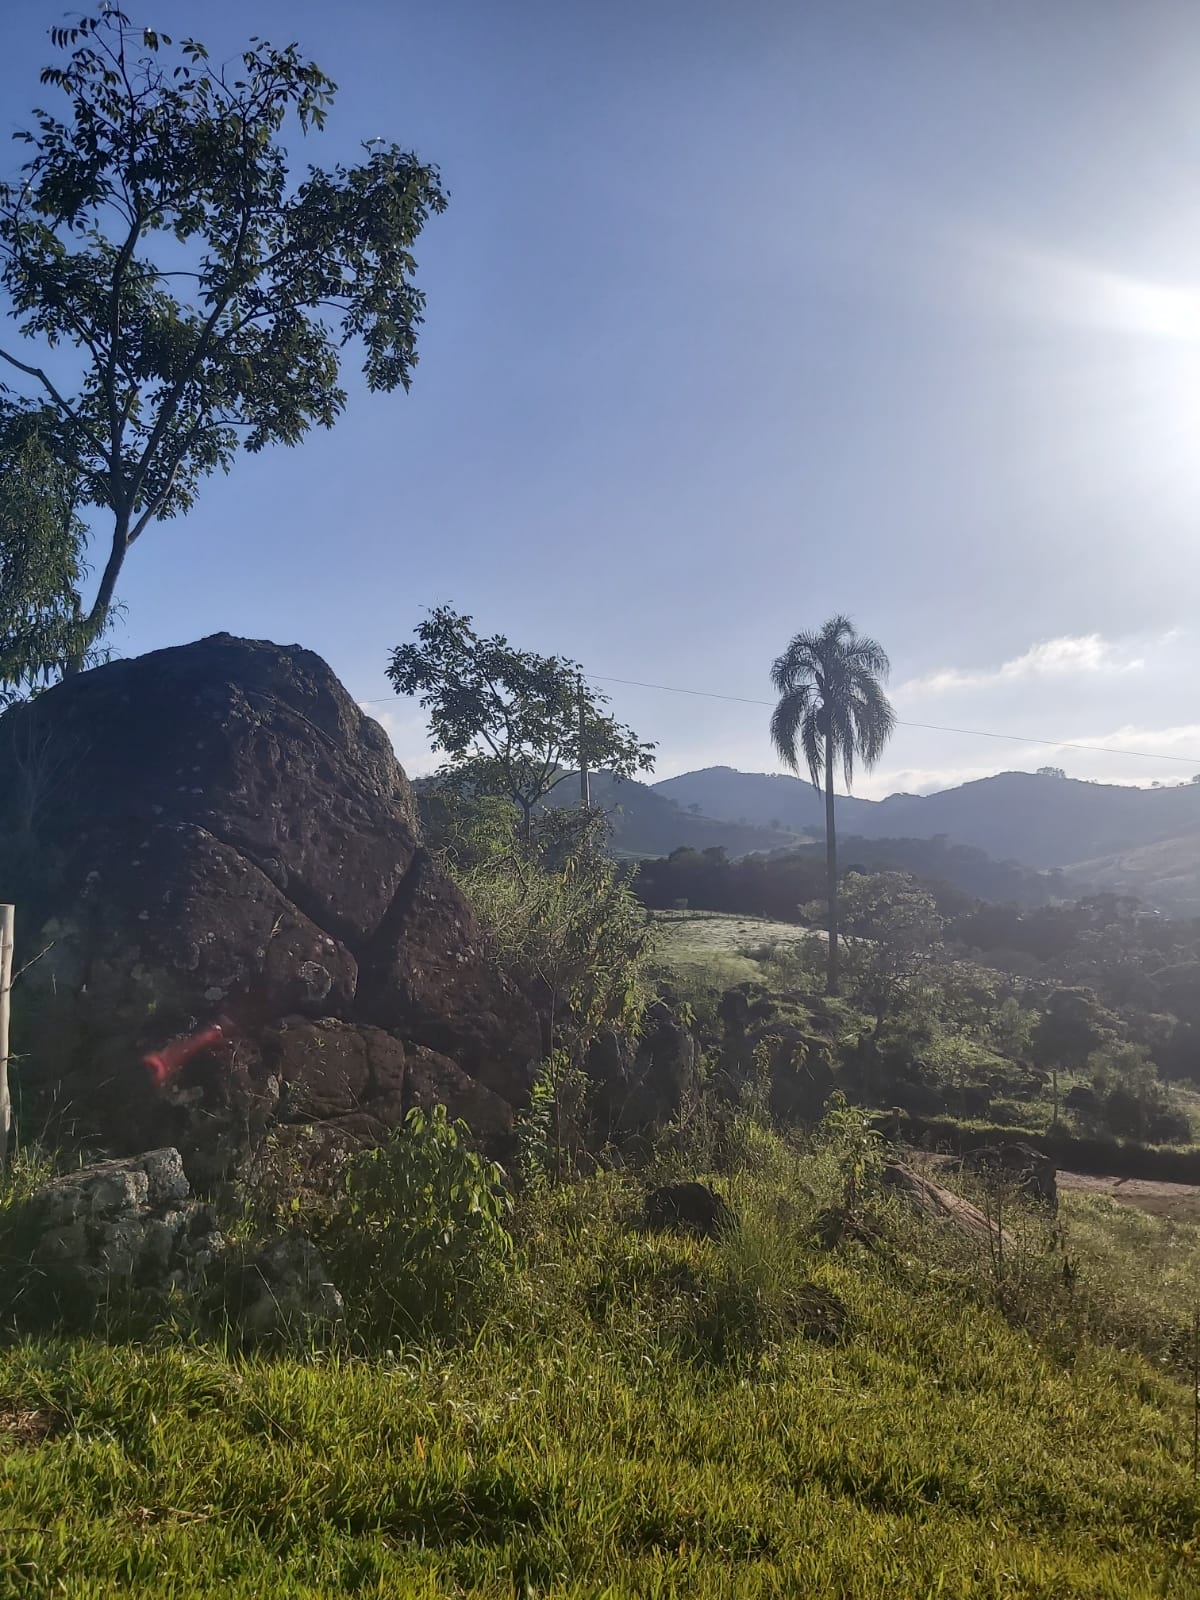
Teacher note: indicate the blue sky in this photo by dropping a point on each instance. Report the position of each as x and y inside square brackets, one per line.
[742, 315]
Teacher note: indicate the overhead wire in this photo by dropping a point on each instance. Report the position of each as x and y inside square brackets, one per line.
[929, 727]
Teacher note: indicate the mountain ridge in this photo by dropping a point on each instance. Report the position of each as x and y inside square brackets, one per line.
[1039, 820]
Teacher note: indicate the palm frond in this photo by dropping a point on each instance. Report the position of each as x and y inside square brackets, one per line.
[830, 688]
[788, 719]
[814, 747]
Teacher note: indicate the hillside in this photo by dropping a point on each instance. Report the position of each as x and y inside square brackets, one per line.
[1165, 874]
[762, 799]
[647, 823]
[1039, 821]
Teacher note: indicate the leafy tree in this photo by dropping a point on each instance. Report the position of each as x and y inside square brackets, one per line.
[833, 710]
[1070, 1029]
[1051, 772]
[513, 723]
[896, 927]
[156, 233]
[41, 561]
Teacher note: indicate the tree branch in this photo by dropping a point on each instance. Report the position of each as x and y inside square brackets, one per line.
[68, 411]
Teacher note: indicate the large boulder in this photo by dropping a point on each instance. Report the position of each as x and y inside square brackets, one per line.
[217, 834]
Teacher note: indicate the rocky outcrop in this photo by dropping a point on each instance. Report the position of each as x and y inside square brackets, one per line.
[129, 1223]
[647, 1085]
[284, 1291]
[131, 1229]
[1021, 1164]
[216, 834]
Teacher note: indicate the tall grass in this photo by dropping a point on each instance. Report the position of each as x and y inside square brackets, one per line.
[642, 1415]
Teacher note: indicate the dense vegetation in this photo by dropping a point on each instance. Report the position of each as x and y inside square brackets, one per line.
[774, 883]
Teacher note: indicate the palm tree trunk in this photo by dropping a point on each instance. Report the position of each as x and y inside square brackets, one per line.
[831, 883]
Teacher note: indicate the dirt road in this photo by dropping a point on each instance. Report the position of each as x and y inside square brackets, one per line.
[1178, 1200]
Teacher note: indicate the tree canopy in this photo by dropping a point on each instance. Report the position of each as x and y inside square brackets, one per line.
[205, 297]
[512, 722]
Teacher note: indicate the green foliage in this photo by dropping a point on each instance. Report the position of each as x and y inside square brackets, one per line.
[420, 1240]
[845, 1137]
[466, 830]
[1071, 1027]
[512, 722]
[1011, 1028]
[1130, 1102]
[896, 931]
[41, 561]
[576, 932]
[231, 337]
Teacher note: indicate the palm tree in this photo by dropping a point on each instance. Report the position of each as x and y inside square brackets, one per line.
[832, 705]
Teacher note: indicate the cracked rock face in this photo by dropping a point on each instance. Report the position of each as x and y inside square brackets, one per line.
[218, 833]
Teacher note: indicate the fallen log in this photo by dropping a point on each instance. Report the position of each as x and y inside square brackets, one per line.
[943, 1205]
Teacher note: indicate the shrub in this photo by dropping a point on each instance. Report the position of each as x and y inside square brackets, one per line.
[419, 1239]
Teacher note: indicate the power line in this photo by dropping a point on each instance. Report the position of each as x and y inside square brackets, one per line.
[932, 727]
[929, 727]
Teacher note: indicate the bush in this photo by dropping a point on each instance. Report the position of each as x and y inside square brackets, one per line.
[419, 1240]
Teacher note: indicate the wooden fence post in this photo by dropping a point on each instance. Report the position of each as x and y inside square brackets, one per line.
[6, 963]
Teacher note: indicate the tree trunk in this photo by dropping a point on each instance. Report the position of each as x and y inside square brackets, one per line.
[97, 617]
[831, 883]
[526, 823]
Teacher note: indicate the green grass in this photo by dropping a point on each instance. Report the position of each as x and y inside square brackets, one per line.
[644, 1417]
[710, 950]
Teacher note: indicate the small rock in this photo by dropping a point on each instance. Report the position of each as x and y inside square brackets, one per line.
[688, 1208]
[286, 1290]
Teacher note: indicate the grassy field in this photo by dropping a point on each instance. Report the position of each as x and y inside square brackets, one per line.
[712, 946]
[652, 1416]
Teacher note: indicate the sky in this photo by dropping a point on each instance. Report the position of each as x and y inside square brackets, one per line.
[742, 315]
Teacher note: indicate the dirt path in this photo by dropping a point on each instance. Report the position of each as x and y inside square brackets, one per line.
[1179, 1200]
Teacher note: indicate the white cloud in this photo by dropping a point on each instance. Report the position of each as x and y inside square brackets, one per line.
[1068, 656]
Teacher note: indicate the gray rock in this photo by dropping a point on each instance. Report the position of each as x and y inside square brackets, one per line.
[1030, 1169]
[286, 1290]
[131, 1222]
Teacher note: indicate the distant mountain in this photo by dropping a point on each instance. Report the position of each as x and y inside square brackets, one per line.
[761, 799]
[1017, 816]
[647, 823]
